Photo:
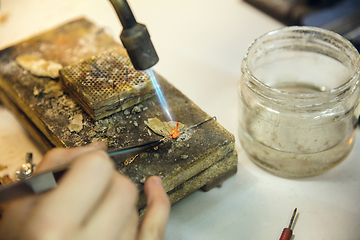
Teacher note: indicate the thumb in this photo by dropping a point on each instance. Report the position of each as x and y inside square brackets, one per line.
[157, 213]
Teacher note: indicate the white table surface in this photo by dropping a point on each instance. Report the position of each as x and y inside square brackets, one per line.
[201, 44]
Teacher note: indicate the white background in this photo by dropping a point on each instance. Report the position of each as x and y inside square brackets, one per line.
[201, 44]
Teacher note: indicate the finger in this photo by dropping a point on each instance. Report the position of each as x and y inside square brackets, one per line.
[77, 193]
[15, 216]
[157, 212]
[62, 156]
[116, 217]
[17, 211]
[130, 229]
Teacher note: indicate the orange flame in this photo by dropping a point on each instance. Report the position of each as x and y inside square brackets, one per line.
[175, 132]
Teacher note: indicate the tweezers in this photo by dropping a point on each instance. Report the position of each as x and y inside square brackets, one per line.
[46, 180]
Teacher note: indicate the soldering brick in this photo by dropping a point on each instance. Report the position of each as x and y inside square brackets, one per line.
[48, 110]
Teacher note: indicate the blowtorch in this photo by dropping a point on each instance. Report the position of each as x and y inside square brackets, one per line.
[136, 40]
[135, 37]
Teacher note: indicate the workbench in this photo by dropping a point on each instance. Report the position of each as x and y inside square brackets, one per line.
[201, 44]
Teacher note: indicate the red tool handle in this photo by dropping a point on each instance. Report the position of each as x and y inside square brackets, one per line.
[286, 234]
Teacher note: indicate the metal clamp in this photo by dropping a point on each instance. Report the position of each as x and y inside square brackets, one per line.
[26, 170]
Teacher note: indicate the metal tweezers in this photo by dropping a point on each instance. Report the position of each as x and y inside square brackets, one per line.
[46, 180]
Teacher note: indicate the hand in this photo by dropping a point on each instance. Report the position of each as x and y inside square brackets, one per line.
[91, 201]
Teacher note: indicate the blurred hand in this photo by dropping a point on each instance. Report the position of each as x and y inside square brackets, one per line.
[91, 201]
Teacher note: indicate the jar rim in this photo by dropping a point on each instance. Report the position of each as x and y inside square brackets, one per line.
[278, 94]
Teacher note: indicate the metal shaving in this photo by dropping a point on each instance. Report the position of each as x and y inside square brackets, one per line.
[130, 160]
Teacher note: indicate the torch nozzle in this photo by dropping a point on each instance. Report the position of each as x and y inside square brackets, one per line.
[135, 37]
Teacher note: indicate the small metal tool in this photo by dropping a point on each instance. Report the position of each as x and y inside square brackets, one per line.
[287, 232]
[202, 122]
[46, 180]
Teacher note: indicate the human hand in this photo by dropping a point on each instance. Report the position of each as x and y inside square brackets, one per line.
[91, 201]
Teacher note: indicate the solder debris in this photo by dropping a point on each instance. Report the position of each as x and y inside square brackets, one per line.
[39, 66]
[136, 109]
[76, 124]
[130, 160]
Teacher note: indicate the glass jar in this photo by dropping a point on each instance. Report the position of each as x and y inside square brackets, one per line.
[299, 101]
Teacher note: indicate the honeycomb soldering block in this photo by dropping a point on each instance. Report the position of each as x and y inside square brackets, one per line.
[106, 83]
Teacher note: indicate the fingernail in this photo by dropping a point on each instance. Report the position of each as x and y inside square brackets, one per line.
[158, 180]
[97, 145]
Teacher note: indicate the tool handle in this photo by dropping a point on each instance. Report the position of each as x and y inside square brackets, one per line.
[286, 234]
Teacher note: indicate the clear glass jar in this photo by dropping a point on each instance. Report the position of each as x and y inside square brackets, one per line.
[299, 101]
